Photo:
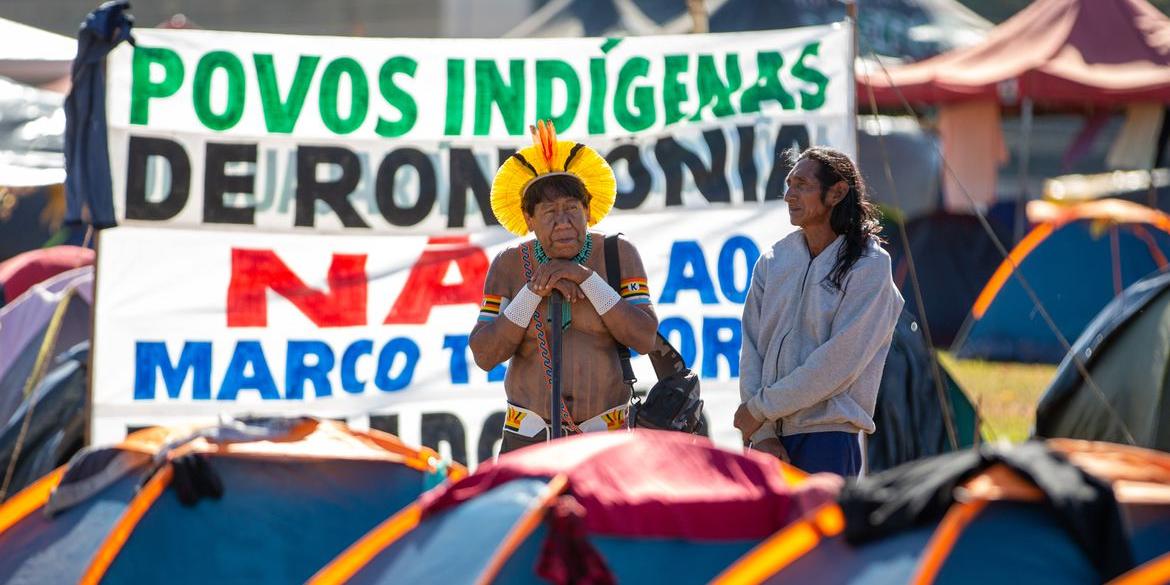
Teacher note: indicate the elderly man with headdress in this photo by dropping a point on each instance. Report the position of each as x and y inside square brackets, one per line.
[557, 190]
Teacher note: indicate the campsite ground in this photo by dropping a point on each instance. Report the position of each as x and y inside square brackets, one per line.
[1005, 393]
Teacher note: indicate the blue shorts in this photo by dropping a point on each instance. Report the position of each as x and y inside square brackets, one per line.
[832, 451]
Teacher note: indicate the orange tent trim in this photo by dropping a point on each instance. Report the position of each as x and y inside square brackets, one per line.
[1155, 572]
[942, 542]
[1054, 217]
[138, 507]
[360, 553]
[523, 529]
[792, 475]
[784, 548]
[1004, 272]
[29, 500]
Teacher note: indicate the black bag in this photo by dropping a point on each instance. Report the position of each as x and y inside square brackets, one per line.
[673, 403]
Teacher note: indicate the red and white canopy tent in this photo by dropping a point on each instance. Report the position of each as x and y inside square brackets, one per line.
[1082, 55]
[1059, 55]
[1069, 52]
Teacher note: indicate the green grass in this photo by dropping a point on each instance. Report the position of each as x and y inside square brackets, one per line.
[1005, 394]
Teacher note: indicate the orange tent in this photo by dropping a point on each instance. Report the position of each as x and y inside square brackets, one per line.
[273, 502]
[998, 528]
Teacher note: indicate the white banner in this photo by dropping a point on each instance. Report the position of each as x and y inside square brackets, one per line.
[404, 135]
[306, 223]
[191, 324]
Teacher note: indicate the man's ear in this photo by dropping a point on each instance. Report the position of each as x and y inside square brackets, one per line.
[837, 193]
[527, 221]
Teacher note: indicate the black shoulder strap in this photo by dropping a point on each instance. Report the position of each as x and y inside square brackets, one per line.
[613, 273]
[613, 263]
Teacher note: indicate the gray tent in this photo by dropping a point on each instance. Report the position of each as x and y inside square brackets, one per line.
[51, 318]
[915, 164]
[1126, 350]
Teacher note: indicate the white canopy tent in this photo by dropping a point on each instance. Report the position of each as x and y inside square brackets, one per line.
[34, 56]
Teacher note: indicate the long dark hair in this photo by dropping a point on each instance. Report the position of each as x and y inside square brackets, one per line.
[854, 216]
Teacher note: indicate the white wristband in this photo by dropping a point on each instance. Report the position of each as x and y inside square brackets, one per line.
[600, 293]
[521, 308]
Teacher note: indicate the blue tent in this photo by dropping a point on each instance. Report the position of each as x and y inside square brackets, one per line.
[1076, 261]
[637, 507]
[263, 502]
[1005, 526]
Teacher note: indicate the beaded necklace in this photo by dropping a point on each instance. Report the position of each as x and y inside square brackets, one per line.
[580, 258]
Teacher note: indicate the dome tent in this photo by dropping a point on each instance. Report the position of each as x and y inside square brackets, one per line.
[292, 494]
[1126, 351]
[637, 507]
[1076, 259]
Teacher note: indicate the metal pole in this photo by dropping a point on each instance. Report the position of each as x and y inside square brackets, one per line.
[1159, 154]
[698, 16]
[555, 306]
[1025, 151]
[855, 44]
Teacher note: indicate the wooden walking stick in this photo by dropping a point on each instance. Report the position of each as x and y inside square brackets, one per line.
[556, 334]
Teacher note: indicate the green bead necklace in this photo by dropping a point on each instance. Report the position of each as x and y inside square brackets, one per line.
[580, 258]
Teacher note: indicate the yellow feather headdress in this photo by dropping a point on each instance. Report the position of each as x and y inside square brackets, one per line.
[549, 157]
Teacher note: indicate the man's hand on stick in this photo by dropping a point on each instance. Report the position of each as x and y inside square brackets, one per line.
[562, 275]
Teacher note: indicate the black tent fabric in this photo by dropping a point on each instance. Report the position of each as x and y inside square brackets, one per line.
[899, 500]
[22, 228]
[910, 413]
[954, 257]
[1126, 351]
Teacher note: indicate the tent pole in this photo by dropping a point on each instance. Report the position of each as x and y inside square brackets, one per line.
[851, 18]
[87, 435]
[915, 285]
[698, 16]
[1159, 154]
[851, 14]
[1025, 150]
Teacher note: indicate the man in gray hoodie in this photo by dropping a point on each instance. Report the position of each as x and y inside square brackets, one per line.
[817, 322]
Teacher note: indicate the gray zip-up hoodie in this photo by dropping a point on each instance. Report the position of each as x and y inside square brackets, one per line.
[813, 355]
